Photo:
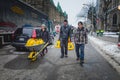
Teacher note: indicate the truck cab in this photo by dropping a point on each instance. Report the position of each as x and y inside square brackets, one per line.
[6, 31]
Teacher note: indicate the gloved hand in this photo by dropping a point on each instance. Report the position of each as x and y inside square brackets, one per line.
[86, 42]
[58, 39]
[70, 40]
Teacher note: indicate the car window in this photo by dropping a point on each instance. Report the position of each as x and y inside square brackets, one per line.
[27, 31]
[18, 31]
[38, 32]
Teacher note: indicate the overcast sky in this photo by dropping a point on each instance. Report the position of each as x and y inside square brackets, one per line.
[72, 7]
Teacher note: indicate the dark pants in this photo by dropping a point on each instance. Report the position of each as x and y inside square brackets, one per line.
[45, 49]
[64, 47]
[80, 51]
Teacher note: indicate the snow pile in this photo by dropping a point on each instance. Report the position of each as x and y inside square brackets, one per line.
[115, 36]
[109, 48]
[111, 34]
[112, 49]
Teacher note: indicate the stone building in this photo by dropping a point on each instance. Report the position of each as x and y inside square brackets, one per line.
[113, 18]
[55, 13]
[113, 15]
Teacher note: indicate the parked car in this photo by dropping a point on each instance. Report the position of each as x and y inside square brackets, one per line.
[21, 35]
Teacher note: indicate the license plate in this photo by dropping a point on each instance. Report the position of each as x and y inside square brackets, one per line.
[21, 39]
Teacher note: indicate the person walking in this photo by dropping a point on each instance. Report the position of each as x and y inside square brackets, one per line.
[44, 34]
[63, 37]
[80, 39]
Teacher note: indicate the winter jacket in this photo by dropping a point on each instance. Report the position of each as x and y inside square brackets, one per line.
[80, 36]
[64, 32]
[45, 35]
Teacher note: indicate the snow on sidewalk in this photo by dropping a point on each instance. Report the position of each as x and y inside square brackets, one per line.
[109, 48]
[110, 34]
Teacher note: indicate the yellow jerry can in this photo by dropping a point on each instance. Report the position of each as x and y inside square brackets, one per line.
[57, 44]
[70, 46]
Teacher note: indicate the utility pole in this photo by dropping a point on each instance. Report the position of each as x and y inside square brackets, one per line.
[92, 16]
[92, 13]
[119, 26]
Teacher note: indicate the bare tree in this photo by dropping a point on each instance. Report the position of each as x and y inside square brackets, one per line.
[105, 11]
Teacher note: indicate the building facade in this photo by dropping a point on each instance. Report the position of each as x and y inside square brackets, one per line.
[48, 7]
[113, 18]
[113, 15]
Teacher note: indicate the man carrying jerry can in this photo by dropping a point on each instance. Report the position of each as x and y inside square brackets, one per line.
[63, 37]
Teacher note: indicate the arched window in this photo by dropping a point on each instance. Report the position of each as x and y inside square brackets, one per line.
[115, 19]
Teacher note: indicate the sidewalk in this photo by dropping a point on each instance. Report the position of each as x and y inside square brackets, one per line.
[108, 48]
[108, 36]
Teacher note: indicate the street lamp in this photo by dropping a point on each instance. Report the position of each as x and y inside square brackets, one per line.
[119, 7]
[119, 31]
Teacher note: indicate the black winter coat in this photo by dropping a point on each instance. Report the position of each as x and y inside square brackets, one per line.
[45, 35]
[64, 32]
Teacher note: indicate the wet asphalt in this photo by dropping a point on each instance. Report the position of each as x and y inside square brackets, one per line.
[14, 65]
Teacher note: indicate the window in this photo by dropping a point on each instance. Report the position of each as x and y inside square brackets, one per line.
[28, 31]
[115, 19]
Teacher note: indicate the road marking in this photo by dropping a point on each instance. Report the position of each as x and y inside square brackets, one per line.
[52, 46]
[17, 52]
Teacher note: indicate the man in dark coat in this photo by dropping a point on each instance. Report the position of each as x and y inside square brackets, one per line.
[63, 37]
